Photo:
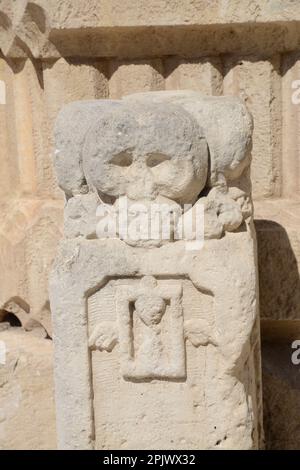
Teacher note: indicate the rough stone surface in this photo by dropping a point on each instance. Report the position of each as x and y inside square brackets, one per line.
[277, 226]
[281, 384]
[27, 417]
[169, 331]
[44, 29]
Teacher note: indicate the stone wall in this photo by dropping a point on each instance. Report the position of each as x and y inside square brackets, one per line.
[54, 52]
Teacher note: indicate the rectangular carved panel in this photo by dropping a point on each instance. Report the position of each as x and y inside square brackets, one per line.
[154, 377]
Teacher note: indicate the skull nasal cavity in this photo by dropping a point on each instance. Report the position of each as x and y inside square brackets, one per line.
[122, 159]
[156, 158]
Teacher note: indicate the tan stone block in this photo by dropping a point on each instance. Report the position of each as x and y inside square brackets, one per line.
[277, 227]
[258, 83]
[9, 151]
[27, 417]
[4, 144]
[29, 234]
[150, 12]
[136, 76]
[281, 388]
[121, 29]
[24, 132]
[204, 75]
[290, 125]
[66, 81]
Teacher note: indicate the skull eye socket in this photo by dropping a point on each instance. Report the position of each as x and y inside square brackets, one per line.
[156, 159]
[121, 159]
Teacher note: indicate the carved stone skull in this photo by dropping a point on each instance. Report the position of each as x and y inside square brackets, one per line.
[146, 151]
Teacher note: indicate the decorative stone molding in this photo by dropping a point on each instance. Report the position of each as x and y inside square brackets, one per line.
[64, 28]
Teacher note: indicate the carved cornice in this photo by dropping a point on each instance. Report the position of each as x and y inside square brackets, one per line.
[110, 28]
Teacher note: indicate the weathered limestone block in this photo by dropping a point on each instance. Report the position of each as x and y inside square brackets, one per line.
[131, 77]
[66, 81]
[165, 326]
[280, 366]
[258, 83]
[110, 28]
[203, 75]
[290, 124]
[43, 29]
[277, 227]
[30, 225]
[27, 411]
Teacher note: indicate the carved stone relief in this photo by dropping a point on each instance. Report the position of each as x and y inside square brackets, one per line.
[150, 329]
[167, 332]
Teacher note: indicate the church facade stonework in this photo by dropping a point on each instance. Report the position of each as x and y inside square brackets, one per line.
[153, 144]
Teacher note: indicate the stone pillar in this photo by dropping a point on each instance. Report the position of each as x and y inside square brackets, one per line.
[156, 337]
